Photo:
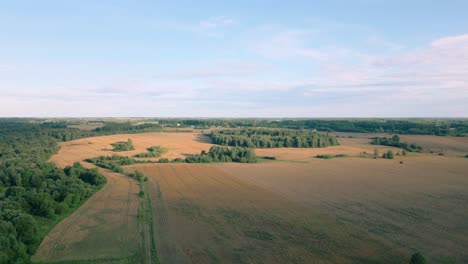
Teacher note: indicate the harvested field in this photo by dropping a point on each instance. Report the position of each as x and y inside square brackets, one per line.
[453, 146]
[179, 145]
[421, 205]
[204, 215]
[104, 227]
[298, 209]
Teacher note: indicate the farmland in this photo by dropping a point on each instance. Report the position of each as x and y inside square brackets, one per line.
[296, 208]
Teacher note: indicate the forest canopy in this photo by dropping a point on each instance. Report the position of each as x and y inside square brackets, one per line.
[272, 138]
[33, 191]
[395, 142]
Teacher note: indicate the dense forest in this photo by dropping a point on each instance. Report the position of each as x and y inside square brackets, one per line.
[272, 138]
[35, 194]
[127, 127]
[411, 126]
[395, 142]
[439, 127]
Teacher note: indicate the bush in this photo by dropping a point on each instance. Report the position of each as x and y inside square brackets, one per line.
[163, 160]
[153, 152]
[395, 142]
[417, 258]
[388, 155]
[324, 156]
[123, 146]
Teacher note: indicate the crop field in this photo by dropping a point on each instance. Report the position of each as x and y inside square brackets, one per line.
[204, 215]
[421, 205]
[179, 145]
[104, 227]
[295, 209]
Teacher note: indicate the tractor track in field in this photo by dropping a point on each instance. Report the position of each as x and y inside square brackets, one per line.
[166, 247]
[109, 193]
[125, 220]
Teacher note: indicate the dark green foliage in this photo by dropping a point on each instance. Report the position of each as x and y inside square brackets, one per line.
[417, 258]
[466, 156]
[327, 156]
[123, 146]
[439, 127]
[259, 235]
[114, 128]
[269, 157]
[164, 160]
[388, 155]
[395, 142]
[153, 152]
[324, 156]
[224, 154]
[272, 138]
[115, 163]
[34, 189]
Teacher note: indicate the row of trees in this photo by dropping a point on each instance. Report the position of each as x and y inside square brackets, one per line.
[127, 127]
[395, 142]
[115, 163]
[33, 190]
[440, 127]
[272, 138]
[224, 154]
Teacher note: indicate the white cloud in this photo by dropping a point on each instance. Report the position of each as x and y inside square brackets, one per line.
[287, 43]
[216, 22]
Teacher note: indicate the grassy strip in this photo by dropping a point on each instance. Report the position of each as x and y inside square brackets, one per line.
[145, 217]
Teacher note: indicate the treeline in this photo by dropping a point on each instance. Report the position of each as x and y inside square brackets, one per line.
[224, 154]
[127, 127]
[153, 152]
[439, 127]
[123, 146]
[215, 154]
[115, 163]
[272, 138]
[33, 191]
[395, 142]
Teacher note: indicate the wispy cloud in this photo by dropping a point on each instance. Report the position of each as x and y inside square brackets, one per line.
[216, 22]
[287, 43]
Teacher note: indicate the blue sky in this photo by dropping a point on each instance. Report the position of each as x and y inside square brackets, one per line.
[365, 58]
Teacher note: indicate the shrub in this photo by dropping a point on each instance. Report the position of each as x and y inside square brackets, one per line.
[417, 258]
[123, 146]
[163, 160]
[388, 155]
[324, 156]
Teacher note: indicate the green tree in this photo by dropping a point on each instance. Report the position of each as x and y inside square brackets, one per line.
[417, 258]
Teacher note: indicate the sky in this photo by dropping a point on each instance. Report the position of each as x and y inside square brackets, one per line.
[361, 58]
